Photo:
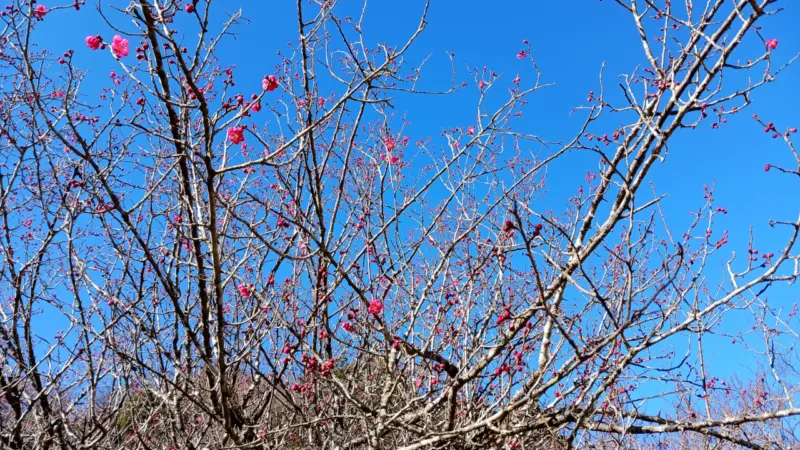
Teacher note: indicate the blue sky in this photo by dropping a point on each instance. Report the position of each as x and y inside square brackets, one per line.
[570, 41]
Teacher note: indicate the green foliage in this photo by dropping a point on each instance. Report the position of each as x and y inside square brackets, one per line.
[136, 408]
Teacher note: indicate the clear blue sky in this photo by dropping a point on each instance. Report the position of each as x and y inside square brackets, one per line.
[570, 40]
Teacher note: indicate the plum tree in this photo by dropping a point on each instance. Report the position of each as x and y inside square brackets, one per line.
[279, 261]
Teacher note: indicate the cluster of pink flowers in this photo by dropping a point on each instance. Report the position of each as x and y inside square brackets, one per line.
[375, 307]
[772, 44]
[327, 367]
[390, 143]
[244, 290]
[119, 45]
[236, 135]
[505, 315]
[270, 83]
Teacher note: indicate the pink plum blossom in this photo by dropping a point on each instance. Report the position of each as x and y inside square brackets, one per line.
[236, 135]
[270, 83]
[93, 42]
[119, 46]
